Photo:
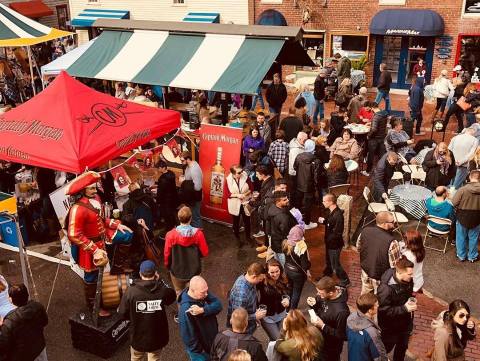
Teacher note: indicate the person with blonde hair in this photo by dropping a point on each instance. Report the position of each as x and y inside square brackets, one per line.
[239, 355]
[439, 164]
[301, 341]
[475, 161]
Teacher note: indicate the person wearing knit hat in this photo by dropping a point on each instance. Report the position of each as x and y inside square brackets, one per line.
[298, 216]
[297, 262]
[306, 166]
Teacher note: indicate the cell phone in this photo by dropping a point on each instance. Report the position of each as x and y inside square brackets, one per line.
[313, 315]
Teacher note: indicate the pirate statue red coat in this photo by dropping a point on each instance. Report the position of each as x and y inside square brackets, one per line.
[88, 232]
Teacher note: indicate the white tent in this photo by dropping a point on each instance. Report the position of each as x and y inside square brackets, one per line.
[63, 62]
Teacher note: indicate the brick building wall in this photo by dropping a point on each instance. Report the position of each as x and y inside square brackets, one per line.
[354, 18]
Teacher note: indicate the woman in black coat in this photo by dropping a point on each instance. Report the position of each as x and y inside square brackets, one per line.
[439, 164]
[337, 172]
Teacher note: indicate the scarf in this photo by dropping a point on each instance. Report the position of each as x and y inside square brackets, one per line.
[445, 163]
[300, 247]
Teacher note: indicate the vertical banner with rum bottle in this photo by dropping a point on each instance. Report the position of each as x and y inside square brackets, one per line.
[220, 148]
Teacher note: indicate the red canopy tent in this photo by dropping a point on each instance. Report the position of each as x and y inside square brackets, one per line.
[70, 127]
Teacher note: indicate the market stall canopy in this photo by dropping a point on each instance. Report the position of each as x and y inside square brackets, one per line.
[63, 62]
[71, 127]
[407, 22]
[217, 57]
[88, 16]
[202, 18]
[33, 9]
[18, 30]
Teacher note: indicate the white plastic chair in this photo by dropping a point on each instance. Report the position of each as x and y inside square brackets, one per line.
[397, 177]
[339, 189]
[432, 232]
[418, 176]
[373, 207]
[399, 217]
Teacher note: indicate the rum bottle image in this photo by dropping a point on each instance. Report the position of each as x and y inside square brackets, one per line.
[217, 179]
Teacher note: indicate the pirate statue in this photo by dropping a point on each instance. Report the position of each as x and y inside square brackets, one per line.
[89, 232]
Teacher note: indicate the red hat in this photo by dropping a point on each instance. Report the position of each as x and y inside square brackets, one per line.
[81, 182]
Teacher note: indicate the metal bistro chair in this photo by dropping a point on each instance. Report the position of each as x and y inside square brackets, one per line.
[397, 177]
[339, 189]
[432, 232]
[372, 207]
[399, 217]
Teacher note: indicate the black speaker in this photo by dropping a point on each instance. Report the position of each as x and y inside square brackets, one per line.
[102, 340]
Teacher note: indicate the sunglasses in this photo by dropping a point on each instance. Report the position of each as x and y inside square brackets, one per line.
[463, 315]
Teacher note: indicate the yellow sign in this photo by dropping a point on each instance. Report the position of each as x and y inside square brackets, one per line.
[8, 203]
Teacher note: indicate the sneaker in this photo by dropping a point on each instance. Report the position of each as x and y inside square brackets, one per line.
[473, 260]
[311, 225]
[460, 260]
[365, 173]
[259, 234]
[261, 249]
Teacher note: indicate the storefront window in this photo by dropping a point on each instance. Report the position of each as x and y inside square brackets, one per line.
[470, 52]
[353, 46]
[471, 8]
[313, 43]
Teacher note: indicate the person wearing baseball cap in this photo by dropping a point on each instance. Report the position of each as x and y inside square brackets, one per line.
[87, 232]
[144, 304]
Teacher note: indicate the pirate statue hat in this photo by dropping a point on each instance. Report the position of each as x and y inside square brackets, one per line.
[81, 182]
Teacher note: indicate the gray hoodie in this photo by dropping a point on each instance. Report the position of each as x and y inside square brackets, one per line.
[295, 149]
[364, 340]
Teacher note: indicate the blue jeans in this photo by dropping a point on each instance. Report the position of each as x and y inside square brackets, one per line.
[196, 217]
[296, 281]
[460, 176]
[198, 356]
[383, 95]
[258, 97]
[470, 119]
[467, 237]
[319, 109]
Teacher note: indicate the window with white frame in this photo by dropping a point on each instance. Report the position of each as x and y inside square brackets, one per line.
[471, 8]
[391, 2]
[179, 2]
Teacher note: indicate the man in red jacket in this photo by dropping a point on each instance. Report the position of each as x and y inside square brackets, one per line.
[184, 247]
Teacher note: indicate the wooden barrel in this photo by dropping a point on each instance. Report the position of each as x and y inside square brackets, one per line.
[113, 288]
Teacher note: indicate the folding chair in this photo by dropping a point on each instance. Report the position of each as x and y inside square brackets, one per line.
[432, 232]
[372, 207]
[399, 217]
[418, 177]
[397, 177]
[339, 189]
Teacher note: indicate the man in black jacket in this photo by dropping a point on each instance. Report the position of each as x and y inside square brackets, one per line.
[276, 95]
[332, 310]
[167, 197]
[319, 94]
[264, 174]
[383, 174]
[379, 251]
[279, 222]
[396, 307]
[21, 332]
[237, 338]
[383, 87]
[144, 305]
[334, 225]
[306, 167]
[291, 125]
[376, 137]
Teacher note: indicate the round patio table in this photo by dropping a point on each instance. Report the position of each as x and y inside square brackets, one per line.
[411, 198]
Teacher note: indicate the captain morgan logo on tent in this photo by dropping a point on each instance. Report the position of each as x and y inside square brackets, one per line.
[106, 114]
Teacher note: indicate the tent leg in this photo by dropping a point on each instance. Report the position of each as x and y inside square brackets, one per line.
[29, 51]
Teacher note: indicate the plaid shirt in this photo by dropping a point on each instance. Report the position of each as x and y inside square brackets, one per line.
[243, 294]
[394, 253]
[278, 151]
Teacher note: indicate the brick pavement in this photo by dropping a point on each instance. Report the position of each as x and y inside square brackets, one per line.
[428, 308]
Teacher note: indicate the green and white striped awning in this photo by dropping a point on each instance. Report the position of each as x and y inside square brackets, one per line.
[224, 63]
[18, 30]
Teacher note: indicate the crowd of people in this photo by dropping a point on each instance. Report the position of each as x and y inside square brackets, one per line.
[284, 178]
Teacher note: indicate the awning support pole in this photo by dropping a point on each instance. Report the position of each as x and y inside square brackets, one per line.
[29, 51]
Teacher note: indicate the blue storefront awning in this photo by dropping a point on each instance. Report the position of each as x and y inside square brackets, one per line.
[271, 17]
[407, 22]
[88, 16]
[202, 18]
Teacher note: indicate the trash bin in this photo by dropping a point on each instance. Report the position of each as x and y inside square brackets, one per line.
[8, 231]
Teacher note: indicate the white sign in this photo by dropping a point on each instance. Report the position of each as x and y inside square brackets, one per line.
[402, 32]
[61, 204]
[149, 306]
